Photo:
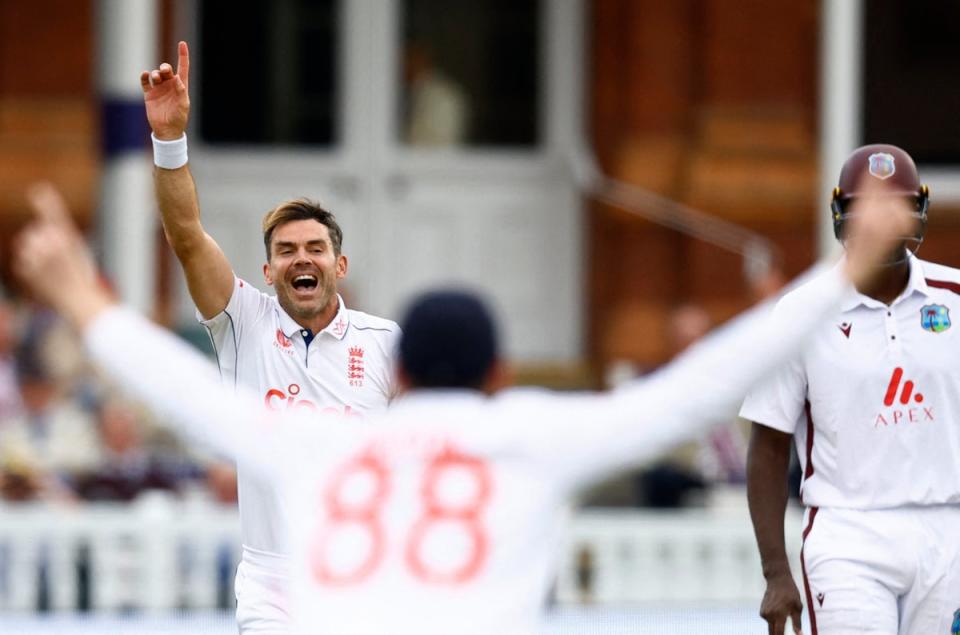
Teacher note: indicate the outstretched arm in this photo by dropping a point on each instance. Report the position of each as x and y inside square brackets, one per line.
[54, 265]
[704, 385]
[209, 275]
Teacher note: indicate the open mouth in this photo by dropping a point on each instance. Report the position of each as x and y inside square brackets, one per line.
[304, 282]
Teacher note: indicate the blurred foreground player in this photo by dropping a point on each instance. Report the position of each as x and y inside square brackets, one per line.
[873, 404]
[300, 349]
[444, 519]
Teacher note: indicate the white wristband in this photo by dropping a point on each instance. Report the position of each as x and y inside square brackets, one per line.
[169, 155]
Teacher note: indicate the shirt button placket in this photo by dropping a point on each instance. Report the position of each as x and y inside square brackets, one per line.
[890, 326]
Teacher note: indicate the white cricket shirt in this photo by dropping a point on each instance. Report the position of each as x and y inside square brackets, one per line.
[347, 370]
[444, 518]
[874, 399]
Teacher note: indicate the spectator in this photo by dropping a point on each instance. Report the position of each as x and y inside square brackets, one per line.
[222, 482]
[128, 465]
[10, 403]
[720, 457]
[52, 438]
[437, 110]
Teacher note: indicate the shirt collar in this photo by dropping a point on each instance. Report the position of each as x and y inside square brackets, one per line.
[337, 328]
[916, 283]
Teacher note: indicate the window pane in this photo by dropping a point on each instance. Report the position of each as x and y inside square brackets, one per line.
[470, 73]
[286, 51]
[912, 63]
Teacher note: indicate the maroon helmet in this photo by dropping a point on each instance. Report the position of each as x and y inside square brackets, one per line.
[889, 164]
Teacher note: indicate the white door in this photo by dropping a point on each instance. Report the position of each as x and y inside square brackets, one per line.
[438, 132]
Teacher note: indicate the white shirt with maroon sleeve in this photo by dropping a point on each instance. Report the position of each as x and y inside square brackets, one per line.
[443, 518]
[346, 370]
[874, 400]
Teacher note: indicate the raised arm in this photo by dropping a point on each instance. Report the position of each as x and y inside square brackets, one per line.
[167, 102]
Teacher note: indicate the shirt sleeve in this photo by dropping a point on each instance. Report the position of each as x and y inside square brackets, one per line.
[247, 306]
[185, 391]
[393, 355]
[778, 402]
[582, 438]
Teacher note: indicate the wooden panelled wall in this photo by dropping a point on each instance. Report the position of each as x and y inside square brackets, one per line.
[48, 126]
[49, 108]
[713, 104]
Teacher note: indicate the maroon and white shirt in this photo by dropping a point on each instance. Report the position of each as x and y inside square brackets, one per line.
[346, 371]
[874, 399]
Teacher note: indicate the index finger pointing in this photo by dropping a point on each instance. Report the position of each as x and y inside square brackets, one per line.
[183, 64]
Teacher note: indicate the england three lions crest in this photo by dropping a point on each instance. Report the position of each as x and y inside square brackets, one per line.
[882, 165]
[355, 366]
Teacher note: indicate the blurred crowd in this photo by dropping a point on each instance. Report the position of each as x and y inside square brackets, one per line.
[68, 436]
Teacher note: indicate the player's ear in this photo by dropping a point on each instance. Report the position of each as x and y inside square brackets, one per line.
[499, 376]
[266, 274]
[403, 381]
[341, 266]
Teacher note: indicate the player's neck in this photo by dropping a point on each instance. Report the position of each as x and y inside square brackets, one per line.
[888, 286]
[319, 321]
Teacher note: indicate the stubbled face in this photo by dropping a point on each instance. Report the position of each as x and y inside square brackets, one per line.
[303, 268]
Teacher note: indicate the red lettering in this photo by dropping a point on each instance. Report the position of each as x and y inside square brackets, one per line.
[274, 397]
[892, 387]
[438, 512]
[272, 394]
[345, 515]
[911, 415]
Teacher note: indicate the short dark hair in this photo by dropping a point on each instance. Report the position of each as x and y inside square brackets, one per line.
[449, 340]
[301, 209]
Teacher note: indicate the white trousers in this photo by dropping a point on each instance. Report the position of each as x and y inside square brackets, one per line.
[262, 589]
[882, 572]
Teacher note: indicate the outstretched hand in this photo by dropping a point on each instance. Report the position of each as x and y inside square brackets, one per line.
[879, 223]
[52, 261]
[166, 96]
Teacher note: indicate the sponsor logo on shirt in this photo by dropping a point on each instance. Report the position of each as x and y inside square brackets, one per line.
[277, 399]
[845, 328]
[820, 597]
[283, 343]
[339, 327]
[935, 318]
[898, 400]
[355, 371]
